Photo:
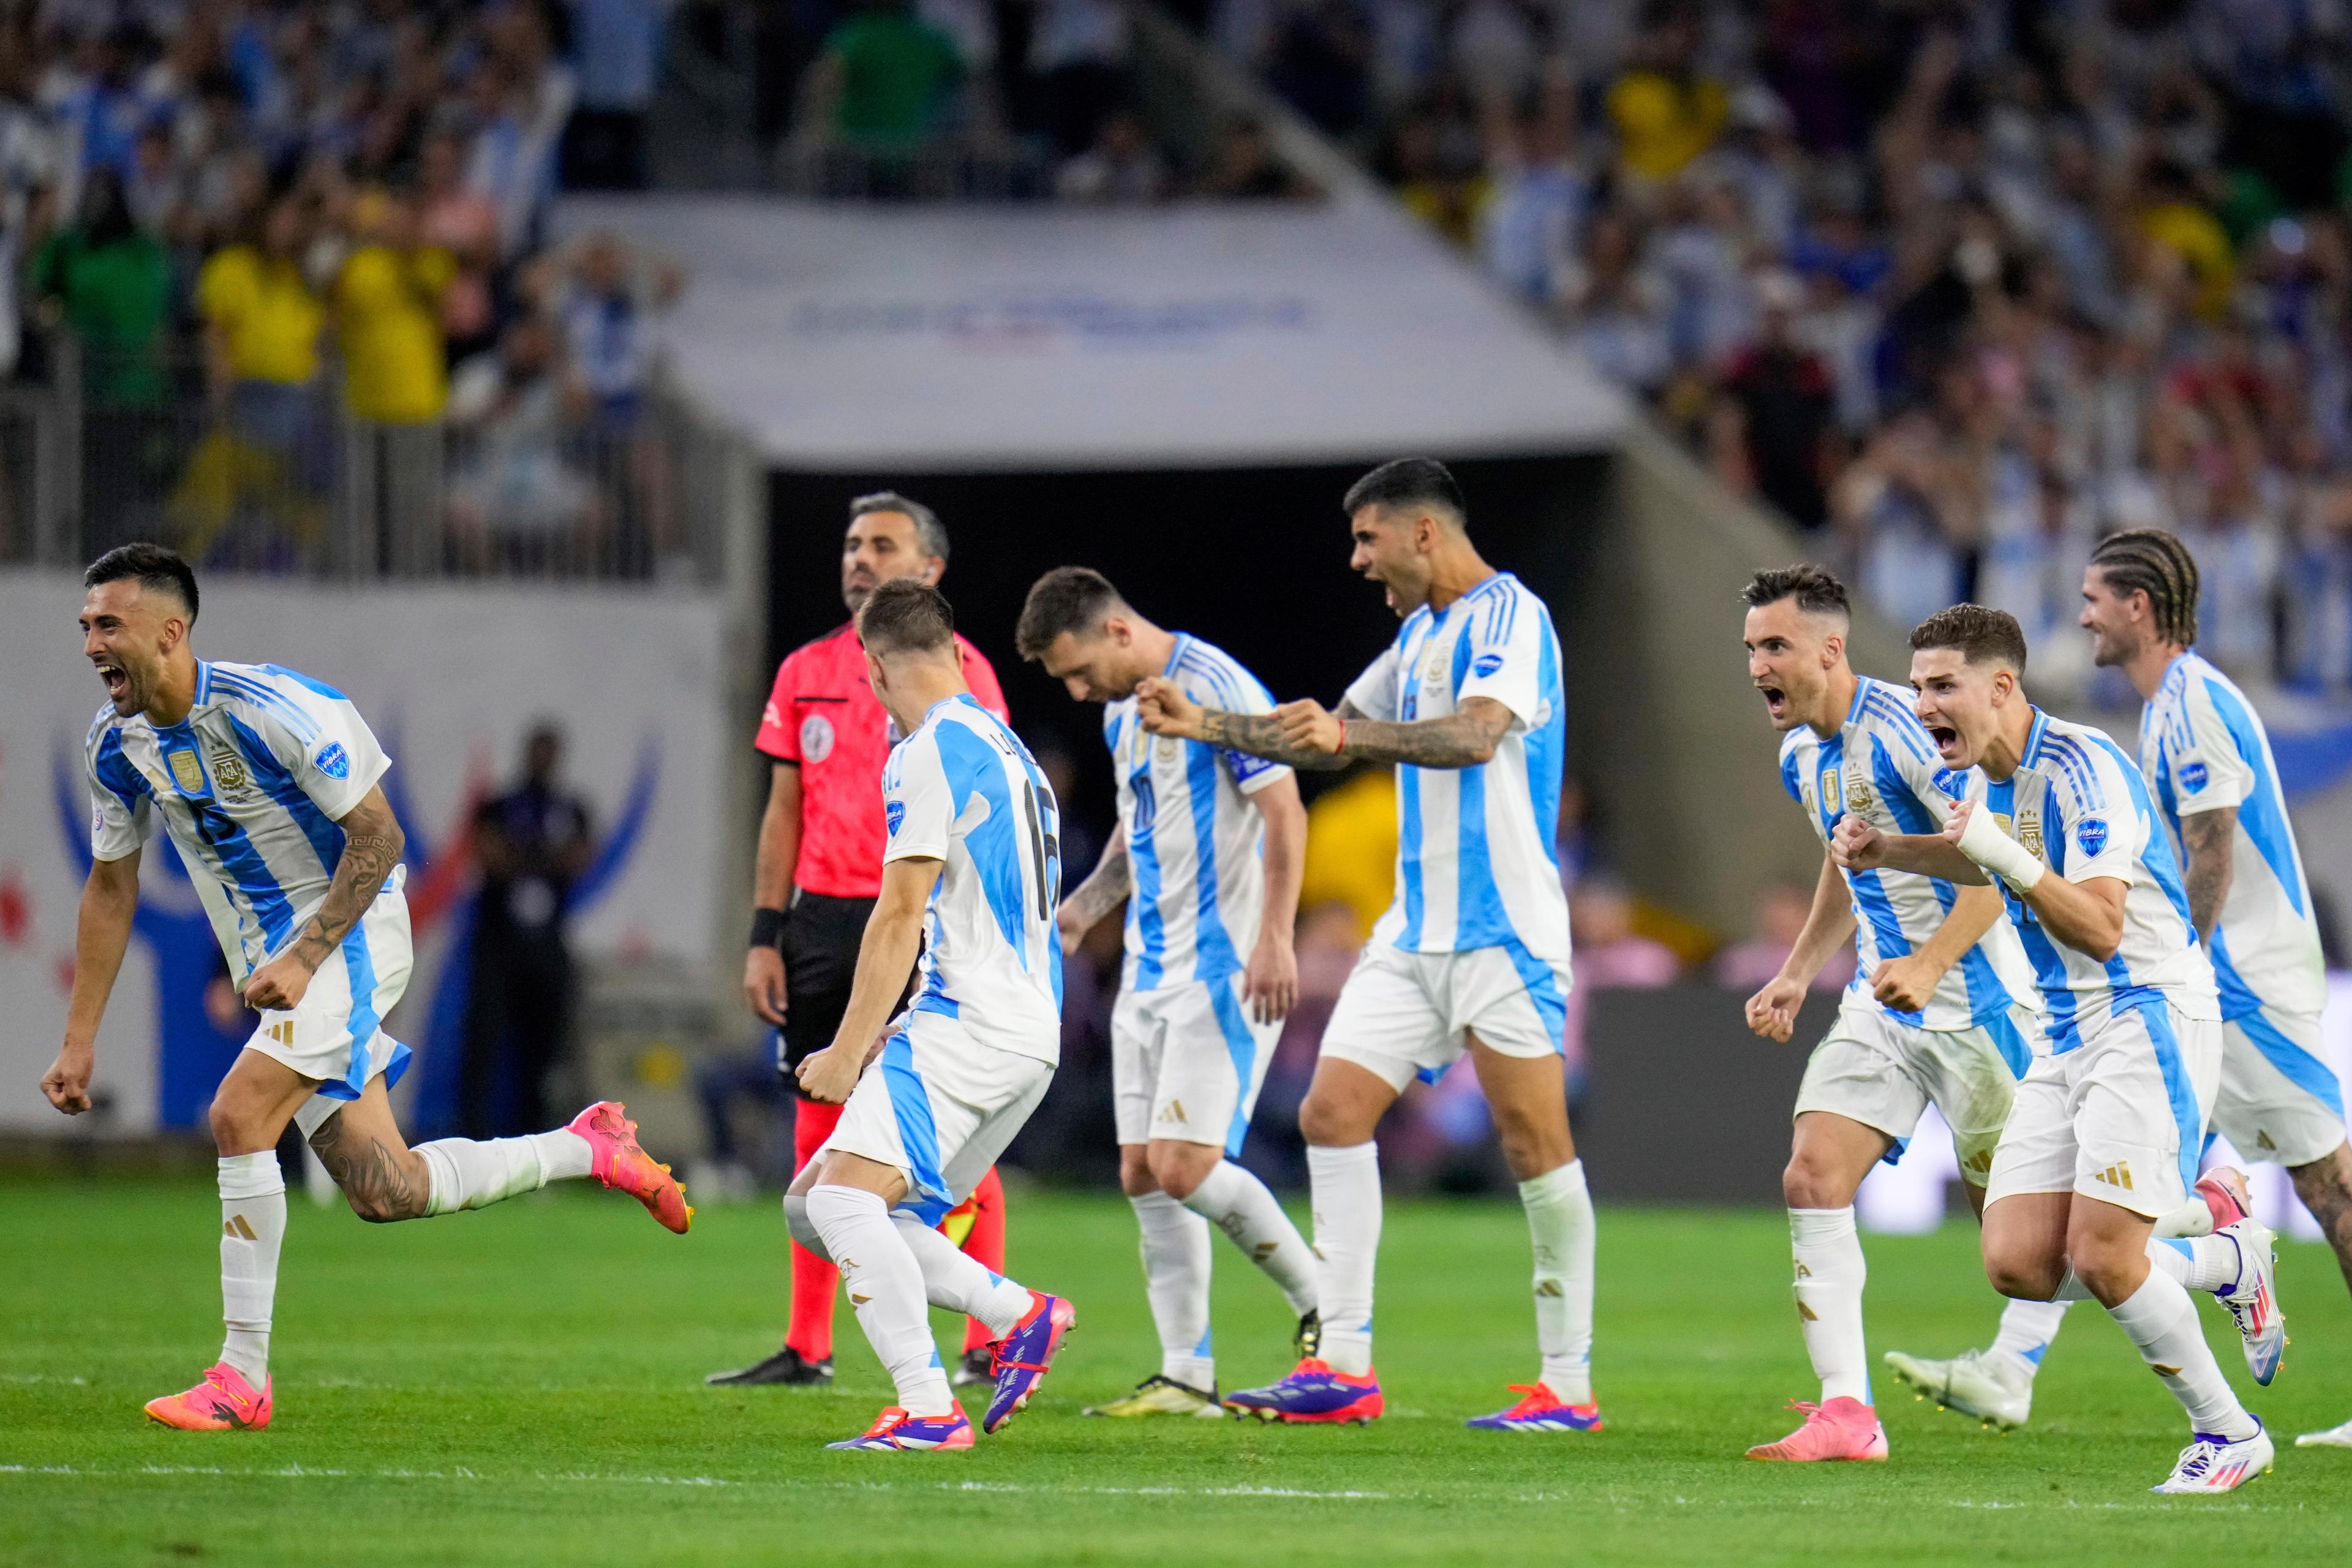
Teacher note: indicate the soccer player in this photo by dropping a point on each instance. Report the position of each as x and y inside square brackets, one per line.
[1472, 955]
[818, 869]
[974, 861]
[268, 784]
[1208, 856]
[1941, 1007]
[2216, 789]
[2105, 1131]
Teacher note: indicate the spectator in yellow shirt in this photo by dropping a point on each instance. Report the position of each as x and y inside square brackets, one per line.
[1351, 846]
[1666, 113]
[387, 301]
[2174, 219]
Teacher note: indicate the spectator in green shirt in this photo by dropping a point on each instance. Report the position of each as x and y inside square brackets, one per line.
[882, 79]
[112, 285]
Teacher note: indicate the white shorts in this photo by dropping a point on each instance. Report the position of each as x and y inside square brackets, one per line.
[335, 1033]
[2279, 1100]
[2120, 1117]
[1186, 1062]
[1402, 1013]
[939, 1107]
[1875, 1070]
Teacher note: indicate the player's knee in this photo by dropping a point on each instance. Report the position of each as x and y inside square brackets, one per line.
[1808, 1183]
[234, 1130]
[2023, 1278]
[1180, 1168]
[1328, 1124]
[1135, 1178]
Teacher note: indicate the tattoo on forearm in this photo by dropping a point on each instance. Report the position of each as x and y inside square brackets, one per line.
[1457, 741]
[1106, 885]
[2208, 836]
[375, 1178]
[1260, 736]
[367, 862]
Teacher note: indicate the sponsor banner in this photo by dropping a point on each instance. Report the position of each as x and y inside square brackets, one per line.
[965, 339]
[450, 678]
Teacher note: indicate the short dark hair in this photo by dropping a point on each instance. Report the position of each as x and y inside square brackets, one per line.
[1817, 591]
[1407, 482]
[1072, 599]
[903, 616]
[2152, 562]
[929, 532]
[1981, 636]
[157, 570]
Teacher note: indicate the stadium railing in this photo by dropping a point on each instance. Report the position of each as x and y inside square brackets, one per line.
[285, 480]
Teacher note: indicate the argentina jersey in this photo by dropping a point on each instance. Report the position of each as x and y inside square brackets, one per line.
[1477, 862]
[964, 791]
[2202, 748]
[2078, 802]
[249, 786]
[1881, 766]
[1195, 843]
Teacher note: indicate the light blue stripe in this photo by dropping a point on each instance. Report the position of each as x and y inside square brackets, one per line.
[1213, 946]
[270, 702]
[1241, 1046]
[910, 1102]
[359, 969]
[326, 839]
[2185, 1115]
[126, 782]
[2006, 1038]
[2301, 1068]
[1479, 919]
[1543, 990]
[1409, 854]
[2263, 811]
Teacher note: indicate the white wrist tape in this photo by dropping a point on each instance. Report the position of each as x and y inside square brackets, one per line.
[1983, 842]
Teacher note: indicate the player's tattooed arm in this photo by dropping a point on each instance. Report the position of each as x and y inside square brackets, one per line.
[1464, 738]
[1105, 889]
[2209, 835]
[1166, 709]
[373, 842]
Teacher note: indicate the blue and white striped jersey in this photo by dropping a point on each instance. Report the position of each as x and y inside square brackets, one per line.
[1882, 767]
[1477, 862]
[2077, 802]
[1195, 843]
[2202, 747]
[249, 786]
[963, 790]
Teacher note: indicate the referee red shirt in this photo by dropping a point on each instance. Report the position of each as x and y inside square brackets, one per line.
[824, 716]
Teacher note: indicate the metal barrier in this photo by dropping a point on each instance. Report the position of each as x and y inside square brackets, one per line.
[281, 478]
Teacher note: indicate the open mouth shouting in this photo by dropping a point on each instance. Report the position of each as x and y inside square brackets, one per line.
[1947, 741]
[1776, 701]
[117, 678]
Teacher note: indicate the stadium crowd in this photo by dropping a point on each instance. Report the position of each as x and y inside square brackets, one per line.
[1959, 287]
[326, 226]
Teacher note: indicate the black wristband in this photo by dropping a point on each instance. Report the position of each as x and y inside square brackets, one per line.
[767, 928]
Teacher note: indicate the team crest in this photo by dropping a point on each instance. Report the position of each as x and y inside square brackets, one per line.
[1857, 796]
[2029, 832]
[229, 771]
[186, 772]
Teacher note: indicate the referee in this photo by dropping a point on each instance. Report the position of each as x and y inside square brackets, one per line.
[818, 872]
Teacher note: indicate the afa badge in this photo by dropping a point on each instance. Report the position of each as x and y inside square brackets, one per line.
[228, 770]
[2192, 777]
[2090, 832]
[335, 762]
[2029, 831]
[1857, 796]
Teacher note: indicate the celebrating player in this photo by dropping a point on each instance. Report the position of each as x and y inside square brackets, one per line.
[2106, 1128]
[1474, 953]
[2217, 787]
[268, 784]
[974, 857]
[1942, 1003]
[1208, 856]
[819, 866]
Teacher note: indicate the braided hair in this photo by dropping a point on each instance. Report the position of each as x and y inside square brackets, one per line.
[2152, 562]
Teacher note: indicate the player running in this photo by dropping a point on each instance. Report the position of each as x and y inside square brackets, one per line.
[1473, 954]
[818, 867]
[974, 862]
[1208, 856]
[2216, 789]
[2105, 1131]
[268, 784]
[1942, 1003]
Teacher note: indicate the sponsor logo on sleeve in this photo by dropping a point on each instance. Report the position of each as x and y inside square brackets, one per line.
[2192, 777]
[97, 820]
[334, 762]
[894, 814]
[2090, 832]
[1953, 782]
[1486, 664]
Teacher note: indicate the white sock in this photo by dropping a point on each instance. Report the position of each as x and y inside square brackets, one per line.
[1346, 1184]
[2026, 1329]
[2199, 1262]
[886, 1288]
[2160, 1319]
[1559, 1223]
[1238, 1204]
[1176, 1263]
[1830, 1275]
[2192, 1218]
[470, 1174]
[253, 1228]
[954, 1280]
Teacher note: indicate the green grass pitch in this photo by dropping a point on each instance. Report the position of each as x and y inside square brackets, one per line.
[524, 1385]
